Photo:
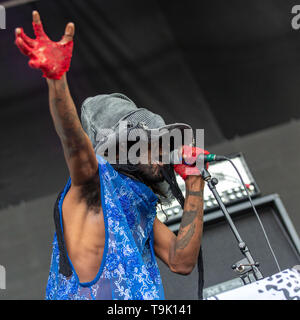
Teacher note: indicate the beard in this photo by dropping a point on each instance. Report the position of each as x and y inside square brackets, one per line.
[150, 172]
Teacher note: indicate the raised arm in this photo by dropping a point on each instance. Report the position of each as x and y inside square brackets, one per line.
[54, 58]
[78, 149]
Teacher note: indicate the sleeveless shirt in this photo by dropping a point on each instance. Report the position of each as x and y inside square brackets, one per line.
[128, 270]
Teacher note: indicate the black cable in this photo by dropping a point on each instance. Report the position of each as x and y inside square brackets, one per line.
[254, 209]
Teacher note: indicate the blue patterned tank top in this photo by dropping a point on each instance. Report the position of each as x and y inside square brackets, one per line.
[128, 270]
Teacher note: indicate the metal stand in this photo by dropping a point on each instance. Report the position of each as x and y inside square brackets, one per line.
[246, 268]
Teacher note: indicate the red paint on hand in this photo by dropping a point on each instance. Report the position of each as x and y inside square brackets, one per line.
[189, 155]
[53, 58]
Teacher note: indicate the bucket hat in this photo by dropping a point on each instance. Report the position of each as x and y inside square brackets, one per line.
[102, 115]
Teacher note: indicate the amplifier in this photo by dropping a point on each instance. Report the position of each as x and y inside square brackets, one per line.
[229, 187]
[220, 248]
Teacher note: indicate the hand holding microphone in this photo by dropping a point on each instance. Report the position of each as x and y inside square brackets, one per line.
[187, 157]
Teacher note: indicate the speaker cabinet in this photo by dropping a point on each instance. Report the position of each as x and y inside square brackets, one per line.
[220, 248]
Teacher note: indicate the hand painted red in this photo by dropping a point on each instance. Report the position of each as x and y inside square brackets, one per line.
[189, 155]
[53, 58]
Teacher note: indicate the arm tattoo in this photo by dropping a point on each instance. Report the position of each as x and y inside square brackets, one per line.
[184, 241]
[188, 217]
[66, 120]
[75, 139]
[194, 193]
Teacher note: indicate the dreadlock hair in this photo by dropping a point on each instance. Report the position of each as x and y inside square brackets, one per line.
[169, 175]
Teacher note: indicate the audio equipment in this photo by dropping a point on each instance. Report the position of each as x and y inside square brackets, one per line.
[220, 250]
[229, 188]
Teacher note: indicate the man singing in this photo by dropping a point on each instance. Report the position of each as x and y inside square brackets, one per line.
[107, 233]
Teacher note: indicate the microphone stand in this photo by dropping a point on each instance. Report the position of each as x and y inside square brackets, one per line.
[246, 267]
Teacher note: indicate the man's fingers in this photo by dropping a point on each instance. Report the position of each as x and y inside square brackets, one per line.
[70, 30]
[34, 63]
[20, 32]
[24, 48]
[37, 25]
[36, 17]
[69, 33]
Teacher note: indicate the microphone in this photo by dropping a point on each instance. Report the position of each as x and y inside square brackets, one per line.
[175, 158]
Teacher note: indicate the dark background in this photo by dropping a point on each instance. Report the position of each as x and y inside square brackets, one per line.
[230, 67]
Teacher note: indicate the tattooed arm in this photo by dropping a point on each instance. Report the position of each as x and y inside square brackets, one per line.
[78, 149]
[181, 252]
